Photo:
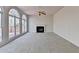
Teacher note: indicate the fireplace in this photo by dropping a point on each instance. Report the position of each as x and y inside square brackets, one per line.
[40, 29]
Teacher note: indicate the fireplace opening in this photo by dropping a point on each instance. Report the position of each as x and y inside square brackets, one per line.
[40, 29]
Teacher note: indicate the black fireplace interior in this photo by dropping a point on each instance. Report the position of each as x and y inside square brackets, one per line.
[40, 29]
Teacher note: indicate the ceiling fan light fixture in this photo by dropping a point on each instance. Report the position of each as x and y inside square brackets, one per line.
[42, 13]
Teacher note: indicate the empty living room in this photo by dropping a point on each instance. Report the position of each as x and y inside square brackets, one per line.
[39, 29]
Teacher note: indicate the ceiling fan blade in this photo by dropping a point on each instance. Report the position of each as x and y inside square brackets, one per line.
[41, 12]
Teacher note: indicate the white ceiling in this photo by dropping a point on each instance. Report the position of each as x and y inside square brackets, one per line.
[33, 10]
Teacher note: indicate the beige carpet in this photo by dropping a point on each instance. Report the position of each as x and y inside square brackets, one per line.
[40, 43]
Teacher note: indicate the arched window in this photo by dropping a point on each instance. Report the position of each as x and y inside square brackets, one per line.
[24, 23]
[14, 12]
[14, 23]
[0, 25]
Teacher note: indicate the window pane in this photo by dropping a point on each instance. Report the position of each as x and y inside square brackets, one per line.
[24, 23]
[11, 27]
[24, 17]
[17, 26]
[23, 26]
[14, 12]
[0, 9]
[0, 29]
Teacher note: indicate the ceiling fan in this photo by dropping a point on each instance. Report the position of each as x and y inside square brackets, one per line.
[41, 13]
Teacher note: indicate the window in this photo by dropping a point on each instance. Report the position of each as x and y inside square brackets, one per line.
[24, 24]
[0, 25]
[14, 23]
[11, 27]
[17, 26]
[23, 27]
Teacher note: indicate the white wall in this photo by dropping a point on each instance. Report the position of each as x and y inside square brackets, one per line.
[66, 24]
[47, 21]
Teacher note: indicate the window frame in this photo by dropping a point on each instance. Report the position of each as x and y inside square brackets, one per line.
[15, 23]
[25, 21]
[14, 26]
[5, 24]
[1, 12]
[23, 25]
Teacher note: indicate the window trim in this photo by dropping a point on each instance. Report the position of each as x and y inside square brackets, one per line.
[14, 22]
[21, 33]
[15, 25]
